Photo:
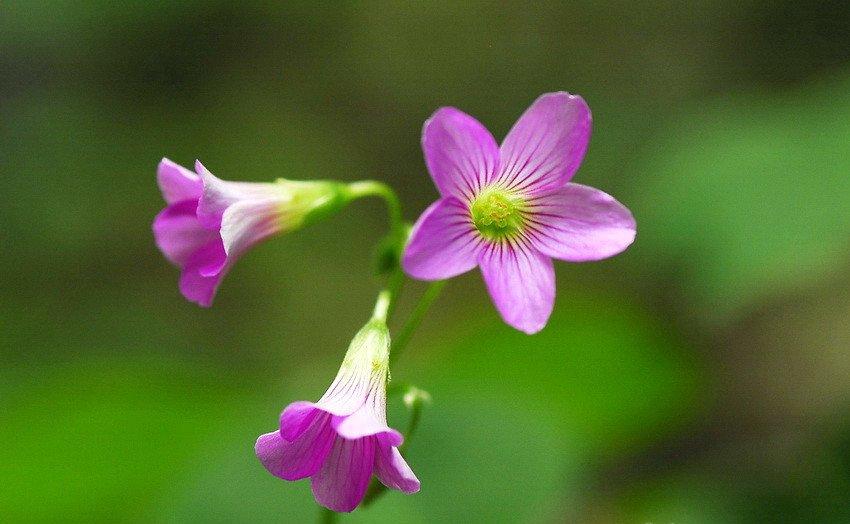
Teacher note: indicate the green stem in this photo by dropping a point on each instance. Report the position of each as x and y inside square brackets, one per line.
[412, 424]
[394, 284]
[428, 298]
[327, 516]
[364, 188]
[382, 305]
[386, 301]
[398, 229]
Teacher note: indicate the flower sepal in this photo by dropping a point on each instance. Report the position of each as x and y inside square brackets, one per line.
[317, 199]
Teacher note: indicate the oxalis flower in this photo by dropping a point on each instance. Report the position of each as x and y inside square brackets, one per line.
[209, 223]
[342, 439]
[510, 209]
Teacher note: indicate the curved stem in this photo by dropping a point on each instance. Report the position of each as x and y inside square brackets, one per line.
[394, 284]
[398, 230]
[416, 317]
[364, 188]
[412, 424]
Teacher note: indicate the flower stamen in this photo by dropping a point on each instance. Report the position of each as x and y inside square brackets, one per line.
[498, 213]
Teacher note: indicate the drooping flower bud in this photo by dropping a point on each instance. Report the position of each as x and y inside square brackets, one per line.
[209, 223]
[342, 439]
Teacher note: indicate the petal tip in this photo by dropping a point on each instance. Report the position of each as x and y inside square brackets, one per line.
[296, 418]
[529, 327]
[196, 290]
[521, 283]
[177, 183]
[565, 95]
[265, 440]
[268, 449]
[438, 114]
[411, 487]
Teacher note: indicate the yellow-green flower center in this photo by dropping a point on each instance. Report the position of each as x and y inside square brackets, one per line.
[498, 213]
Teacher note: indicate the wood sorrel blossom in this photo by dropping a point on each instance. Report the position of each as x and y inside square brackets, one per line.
[510, 209]
[208, 223]
[342, 439]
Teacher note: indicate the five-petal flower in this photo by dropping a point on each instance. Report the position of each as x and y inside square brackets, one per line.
[510, 209]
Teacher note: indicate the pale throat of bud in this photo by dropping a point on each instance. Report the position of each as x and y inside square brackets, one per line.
[303, 202]
[498, 213]
[368, 352]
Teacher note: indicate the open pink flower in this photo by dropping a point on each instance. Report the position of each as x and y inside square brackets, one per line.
[510, 209]
[208, 223]
[342, 439]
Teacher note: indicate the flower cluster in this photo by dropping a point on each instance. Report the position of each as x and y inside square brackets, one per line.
[508, 209]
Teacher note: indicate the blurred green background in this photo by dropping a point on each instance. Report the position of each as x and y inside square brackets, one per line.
[702, 376]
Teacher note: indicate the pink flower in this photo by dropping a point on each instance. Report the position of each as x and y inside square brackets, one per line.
[209, 223]
[342, 439]
[510, 209]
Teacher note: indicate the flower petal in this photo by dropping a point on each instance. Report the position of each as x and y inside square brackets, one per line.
[460, 153]
[178, 233]
[296, 418]
[219, 194]
[392, 470]
[347, 392]
[203, 272]
[579, 223]
[269, 449]
[301, 458]
[363, 373]
[342, 481]
[444, 242]
[177, 183]
[367, 422]
[248, 222]
[544, 148]
[521, 282]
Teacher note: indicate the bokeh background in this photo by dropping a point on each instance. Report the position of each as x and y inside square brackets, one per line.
[702, 376]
